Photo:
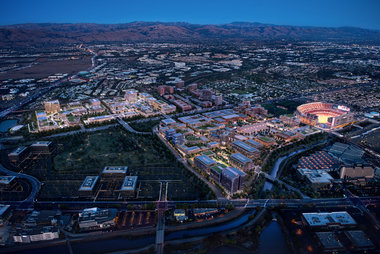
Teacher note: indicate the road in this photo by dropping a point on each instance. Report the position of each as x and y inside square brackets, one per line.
[82, 130]
[36, 185]
[130, 129]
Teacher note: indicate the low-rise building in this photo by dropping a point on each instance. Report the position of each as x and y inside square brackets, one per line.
[318, 179]
[88, 186]
[94, 218]
[204, 162]
[42, 147]
[129, 185]
[328, 220]
[357, 174]
[114, 171]
[7, 182]
[245, 149]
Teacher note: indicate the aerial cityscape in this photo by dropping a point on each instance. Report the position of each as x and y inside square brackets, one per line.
[169, 127]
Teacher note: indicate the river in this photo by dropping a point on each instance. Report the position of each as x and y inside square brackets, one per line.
[7, 124]
[272, 240]
[271, 234]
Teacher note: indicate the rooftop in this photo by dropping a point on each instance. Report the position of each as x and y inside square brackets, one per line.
[89, 183]
[241, 158]
[129, 183]
[245, 146]
[325, 218]
[205, 159]
[115, 170]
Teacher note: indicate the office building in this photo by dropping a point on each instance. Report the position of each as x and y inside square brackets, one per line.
[245, 149]
[42, 147]
[52, 107]
[19, 154]
[178, 139]
[88, 186]
[319, 179]
[240, 161]
[328, 220]
[114, 171]
[204, 162]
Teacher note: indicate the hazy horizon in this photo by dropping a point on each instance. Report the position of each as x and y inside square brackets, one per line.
[349, 13]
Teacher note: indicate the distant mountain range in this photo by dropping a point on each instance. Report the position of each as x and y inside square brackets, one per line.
[52, 33]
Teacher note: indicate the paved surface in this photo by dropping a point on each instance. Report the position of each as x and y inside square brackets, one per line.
[82, 130]
[130, 129]
[36, 185]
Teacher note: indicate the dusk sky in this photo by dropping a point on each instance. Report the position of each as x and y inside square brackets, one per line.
[331, 13]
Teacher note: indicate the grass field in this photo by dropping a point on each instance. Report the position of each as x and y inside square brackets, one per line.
[87, 154]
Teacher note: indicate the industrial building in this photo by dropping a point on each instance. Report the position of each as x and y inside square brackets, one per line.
[318, 160]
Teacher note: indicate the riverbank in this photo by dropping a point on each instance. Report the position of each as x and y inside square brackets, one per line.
[128, 235]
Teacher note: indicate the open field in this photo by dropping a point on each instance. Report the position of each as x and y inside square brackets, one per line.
[44, 67]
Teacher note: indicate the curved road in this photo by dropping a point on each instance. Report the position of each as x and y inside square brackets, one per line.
[36, 185]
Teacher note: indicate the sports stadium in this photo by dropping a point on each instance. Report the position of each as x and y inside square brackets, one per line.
[325, 115]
